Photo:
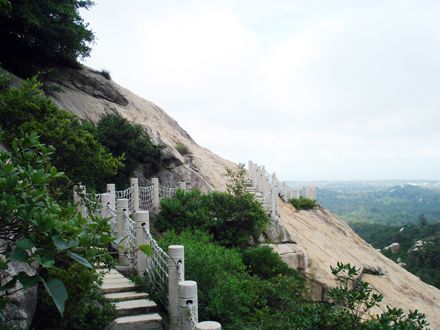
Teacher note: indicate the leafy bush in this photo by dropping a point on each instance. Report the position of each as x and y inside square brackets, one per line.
[182, 149]
[236, 184]
[125, 139]
[106, 74]
[232, 220]
[39, 34]
[264, 263]
[226, 292]
[77, 152]
[303, 203]
[86, 307]
[36, 230]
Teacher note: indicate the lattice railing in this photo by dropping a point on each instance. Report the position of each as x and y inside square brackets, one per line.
[126, 194]
[113, 220]
[167, 192]
[157, 269]
[146, 198]
[130, 240]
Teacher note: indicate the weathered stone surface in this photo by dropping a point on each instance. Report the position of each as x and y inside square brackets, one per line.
[22, 303]
[393, 248]
[276, 233]
[292, 255]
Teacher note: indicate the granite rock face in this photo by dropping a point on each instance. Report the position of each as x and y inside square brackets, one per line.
[20, 310]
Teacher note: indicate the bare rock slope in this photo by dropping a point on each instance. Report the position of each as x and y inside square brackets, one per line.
[89, 95]
[318, 238]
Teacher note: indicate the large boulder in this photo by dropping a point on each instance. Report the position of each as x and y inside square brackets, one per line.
[393, 248]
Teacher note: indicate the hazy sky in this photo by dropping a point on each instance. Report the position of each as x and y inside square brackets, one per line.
[321, 89]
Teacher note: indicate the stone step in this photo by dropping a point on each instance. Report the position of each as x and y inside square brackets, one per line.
[135, 307]
[113, 287]
[138, 322]
[124, 296]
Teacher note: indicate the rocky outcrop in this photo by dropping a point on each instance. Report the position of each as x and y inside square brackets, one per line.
[20, 309]
[89, 95]
[393, 248]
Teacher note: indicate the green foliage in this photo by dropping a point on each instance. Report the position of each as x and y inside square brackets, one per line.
[86, 307]
[232, 220]
[226, 292]
[77, 152]
[182, 149]
[263, 262]
[42, 33]
[303, 203]
[236, 185]
[106, 74]
[398, 205]
[354, 298]
[423, 263]
[36, 230]
[125, 139]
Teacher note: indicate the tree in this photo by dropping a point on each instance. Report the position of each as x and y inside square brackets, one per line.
[125, 139]
[40, 34]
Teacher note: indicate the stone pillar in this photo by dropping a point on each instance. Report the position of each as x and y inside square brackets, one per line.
[176, 274]
[105, 203]
[182, 185]
[274, 196]
[142, 218]
[121, 207]
[156, 200]
[111, 189]
[208, 325]
[134, 182]
[188, 302]
[82, 196]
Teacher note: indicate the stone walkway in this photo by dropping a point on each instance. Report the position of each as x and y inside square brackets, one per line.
[134, 309]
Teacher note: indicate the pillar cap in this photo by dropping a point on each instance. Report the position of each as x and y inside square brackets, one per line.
[208, 325]
[176, 251]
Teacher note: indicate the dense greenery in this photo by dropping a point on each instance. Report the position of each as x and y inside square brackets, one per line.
[303, 203]
[40, 34]
[131, 142]
[232, 220]
[398, 205]
[53, 239]
[77, 152]
[424, 263]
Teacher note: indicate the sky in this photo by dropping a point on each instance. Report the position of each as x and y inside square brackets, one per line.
[313, 89]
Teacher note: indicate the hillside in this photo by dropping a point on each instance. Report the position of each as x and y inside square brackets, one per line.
[321, 239]
[395, 205]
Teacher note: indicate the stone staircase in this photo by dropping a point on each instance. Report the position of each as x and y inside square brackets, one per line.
[134, 309]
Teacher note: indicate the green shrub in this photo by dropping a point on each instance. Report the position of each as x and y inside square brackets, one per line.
[125, 139]
[226, 292]
[77, 152]
[265, 263]
[86, 307]
[232, 220]
[106, 74]
[182, 149]
[303, 203]
[37, 230]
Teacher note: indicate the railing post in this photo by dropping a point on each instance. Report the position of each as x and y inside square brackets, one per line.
[134, 182]
[142, 219]
[208, 325]
[121, 206]
[176, 274]
[274, 196]
[105, 202]
[182, 185]
[188, 305]
[111, 189]
[81, 205]
[156, 201]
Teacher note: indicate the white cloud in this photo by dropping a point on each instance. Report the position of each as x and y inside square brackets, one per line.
[325, 89]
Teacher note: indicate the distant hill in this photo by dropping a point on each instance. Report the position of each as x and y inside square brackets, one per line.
[397, 205]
